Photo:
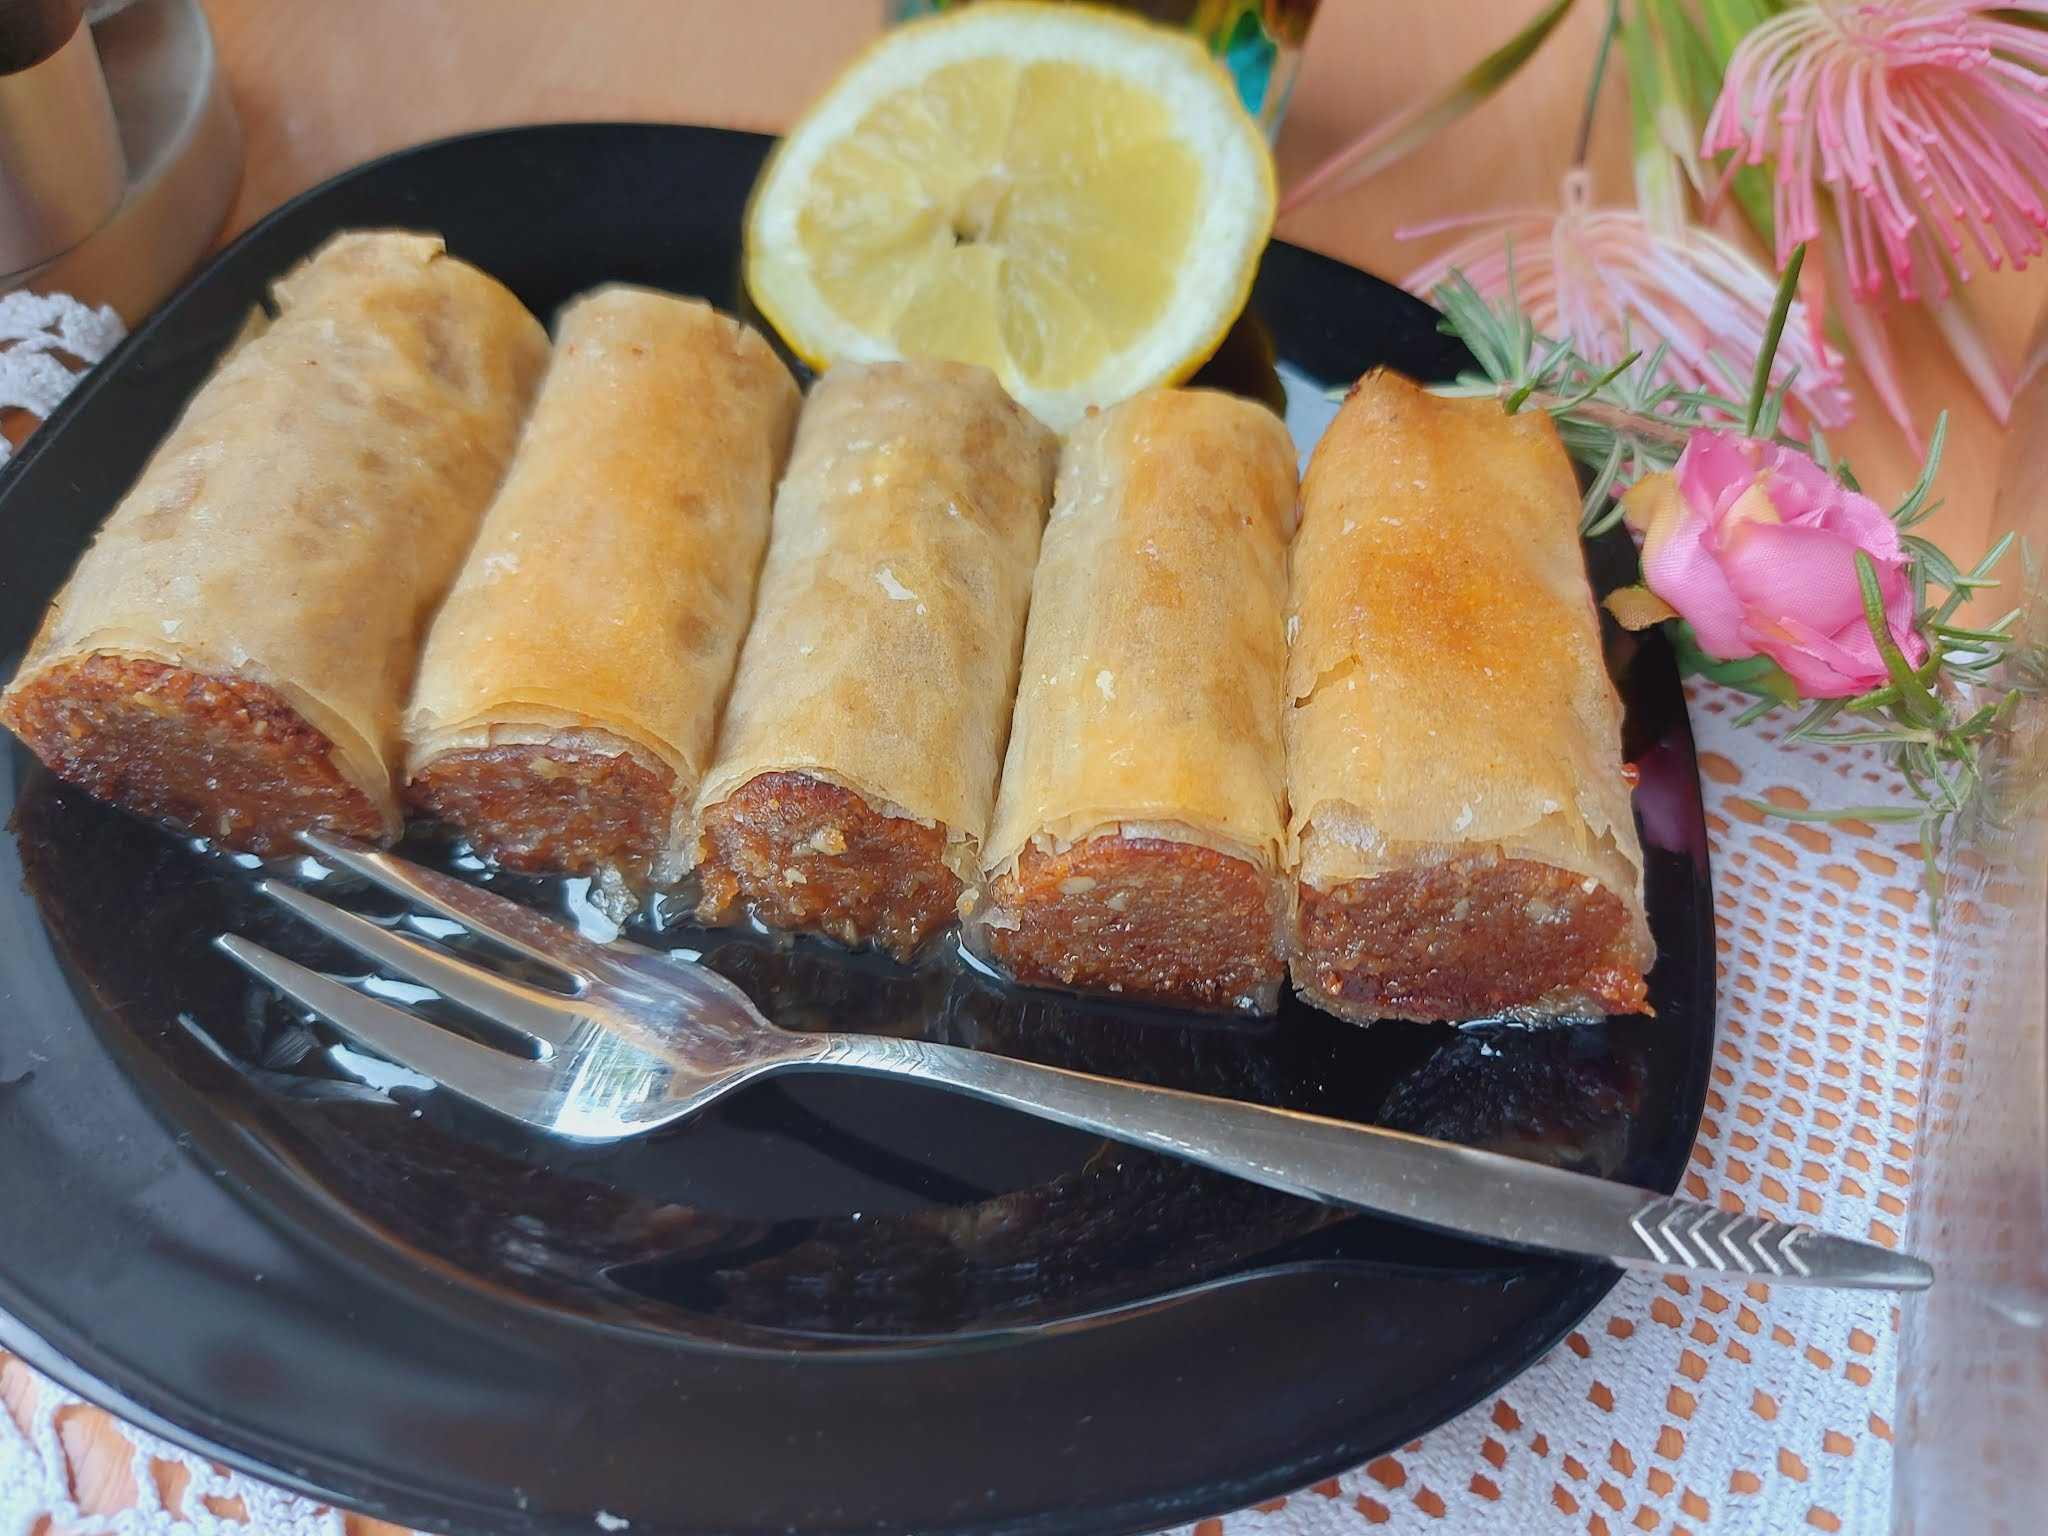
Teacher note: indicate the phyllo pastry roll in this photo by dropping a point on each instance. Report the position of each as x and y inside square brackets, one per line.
[569, 692]
[1137, 839]
[857, 762]
[1463, 840]
[232, 653]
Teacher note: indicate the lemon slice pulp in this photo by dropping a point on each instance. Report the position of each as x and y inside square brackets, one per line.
[1071, 197]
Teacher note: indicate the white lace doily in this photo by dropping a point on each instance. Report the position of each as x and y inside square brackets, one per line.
[1675, 1408]
[64, 1471]
[46, 341]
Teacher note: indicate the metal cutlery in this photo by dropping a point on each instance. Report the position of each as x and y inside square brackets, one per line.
[629, 1040]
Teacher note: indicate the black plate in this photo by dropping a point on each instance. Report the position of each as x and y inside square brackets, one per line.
[826, 1307]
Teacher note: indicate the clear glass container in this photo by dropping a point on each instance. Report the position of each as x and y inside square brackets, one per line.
[1258, 41]
[1973, 1376]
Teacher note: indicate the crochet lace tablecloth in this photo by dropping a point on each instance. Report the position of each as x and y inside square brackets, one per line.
[1674, 1408]
[45, 339]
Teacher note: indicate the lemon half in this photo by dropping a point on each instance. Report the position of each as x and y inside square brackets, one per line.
[1069, 196]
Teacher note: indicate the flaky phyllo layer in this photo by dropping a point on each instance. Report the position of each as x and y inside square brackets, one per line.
[1449, 714]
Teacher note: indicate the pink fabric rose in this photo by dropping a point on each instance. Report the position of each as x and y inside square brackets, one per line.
[1755, 546]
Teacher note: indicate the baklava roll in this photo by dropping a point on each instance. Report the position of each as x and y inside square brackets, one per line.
[857, 762]
[232, 653]
[1137, 841]
[1462, 837]
[570, 688]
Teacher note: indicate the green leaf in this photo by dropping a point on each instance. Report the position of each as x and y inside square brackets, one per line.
[1601, 512]
[1987, 717]
[1938, 568]
[1865, 738]
[1605, 523]
[1725, 24]
[1559, 354]
[1774, 332]
[1871, 702]
[1751, 190]
[1817, 446]
[1774, 406]
[1682, 38]
[1996, 634]
[1539, 375]
[1723, 27]
[1951, 789]
[1976, 579]
[1666, 98]
[1751, 674]
[1377, 148]
[1914, 508]
[1728, 22]
[1756, 711]
[1607, 30]
[1911, 689]
[1593, 386]
[1992, 556]
[1653, 367]
[1811, 722]
[1930, 864]
[1886, 814]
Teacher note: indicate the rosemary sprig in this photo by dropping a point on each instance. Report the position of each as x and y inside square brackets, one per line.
[1621, 422]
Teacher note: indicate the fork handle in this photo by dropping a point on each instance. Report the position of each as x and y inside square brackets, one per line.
[1456, 1189]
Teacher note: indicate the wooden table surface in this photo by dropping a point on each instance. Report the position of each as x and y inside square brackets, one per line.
[324, 84]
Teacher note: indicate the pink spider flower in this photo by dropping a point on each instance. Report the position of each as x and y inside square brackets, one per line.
[1926, 119]
[1612, 283]
[1911, 140]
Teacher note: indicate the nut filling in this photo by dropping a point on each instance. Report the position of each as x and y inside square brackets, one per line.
[1149, 918]
[1468, 939]
[550, 808]
[219, 757]
[798, 852]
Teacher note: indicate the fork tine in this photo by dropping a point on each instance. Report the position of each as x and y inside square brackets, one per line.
[520, 929]
[498, 998]
[508, 1084]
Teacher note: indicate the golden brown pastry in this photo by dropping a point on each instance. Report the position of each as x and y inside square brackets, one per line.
[570, 688]
[1137, 841]
[1462, 839]
[857, 762]
[232, 652]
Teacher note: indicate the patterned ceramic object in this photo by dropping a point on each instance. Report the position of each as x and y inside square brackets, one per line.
[1258, 41]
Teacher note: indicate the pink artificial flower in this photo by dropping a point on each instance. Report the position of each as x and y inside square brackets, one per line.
[1613, 284]
[1926, 119]
[1754, 545]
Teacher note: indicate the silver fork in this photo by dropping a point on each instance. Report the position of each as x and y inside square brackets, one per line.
[636, 1040]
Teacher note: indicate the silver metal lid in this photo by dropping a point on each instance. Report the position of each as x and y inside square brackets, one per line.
[182, 149]
[61, 169]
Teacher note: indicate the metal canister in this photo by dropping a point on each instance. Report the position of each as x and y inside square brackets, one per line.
[61, 169]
